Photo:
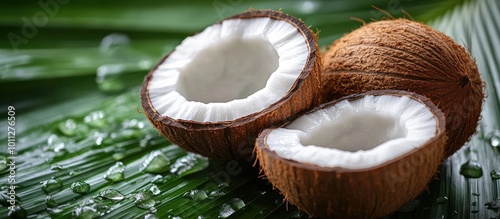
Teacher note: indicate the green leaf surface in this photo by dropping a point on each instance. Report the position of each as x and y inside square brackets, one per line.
[84, 148]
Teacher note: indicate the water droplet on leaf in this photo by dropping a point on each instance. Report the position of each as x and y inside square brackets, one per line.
[150, 216]
[55, 143]
[191, 163]
[156, 162]
[52, 185]
[441, 200]
[115, 172]
[68, 127]
[494, 138]
[158, 179]
[216, 194]
[471, 169]
[54, 210]
[96, 119]
[3, 163]
[90, 209]
[495, 174]
[143, 200]
[112, 194]
[133, 124]
[113, 41]
[154, 190]
[99, 137]
[196, 195]
[50, 202]
[74, 173]
[80, 187]
[56, 167]
[230, 207]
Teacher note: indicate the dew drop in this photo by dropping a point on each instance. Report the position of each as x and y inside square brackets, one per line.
[18, 212]
[495, 174]
[74, 173]
[494, 138]
[153, 210]
[99, 137]
[96, 119]
[143, 200]
[133, 124]
[80, 187]
[90, 209]
[56, 167]
[189, 164]
[216, 194]
[113, 41]
[54, 210]
[112, 194]
[223, 185]
[471, 169]
[3, 163]
[158, 179]
[156, 162]
[115, 172]
[50, 202]
[68, 127]
[150, 216]
[441, 200]
[54, 142]
[196, 195]
[230, 207]
[52, 185]
[154, 190]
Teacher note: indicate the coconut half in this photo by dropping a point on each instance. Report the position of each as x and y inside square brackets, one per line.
[221, 87]
[363, 156]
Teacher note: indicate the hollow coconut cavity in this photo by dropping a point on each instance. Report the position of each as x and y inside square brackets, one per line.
[363, 156]
[218, 89]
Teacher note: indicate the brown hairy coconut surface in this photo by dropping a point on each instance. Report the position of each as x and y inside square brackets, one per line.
[407, 55]
[235, 139]
[364, 193]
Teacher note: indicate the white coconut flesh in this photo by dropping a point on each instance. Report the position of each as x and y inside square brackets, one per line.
[229, 70]
[356, 134]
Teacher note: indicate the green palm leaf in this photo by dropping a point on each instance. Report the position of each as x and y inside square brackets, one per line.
[74, 83]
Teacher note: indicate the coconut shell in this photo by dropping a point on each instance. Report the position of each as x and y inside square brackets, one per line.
[407, 55]
[235, 139]
[368, 193]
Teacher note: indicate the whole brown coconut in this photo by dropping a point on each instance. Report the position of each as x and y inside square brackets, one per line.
[407, 55]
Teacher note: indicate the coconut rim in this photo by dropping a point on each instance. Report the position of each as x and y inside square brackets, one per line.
[309, 37]
[261, 141]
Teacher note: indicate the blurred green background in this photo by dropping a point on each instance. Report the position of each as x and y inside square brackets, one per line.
[72, 71]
